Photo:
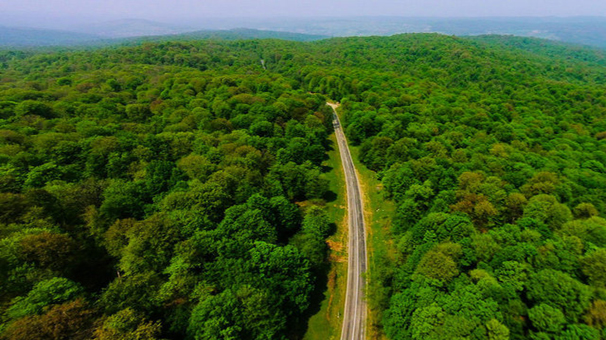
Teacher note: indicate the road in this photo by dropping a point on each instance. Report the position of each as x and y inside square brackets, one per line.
[354, 316]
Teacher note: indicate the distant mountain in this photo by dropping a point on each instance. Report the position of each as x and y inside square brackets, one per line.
[132, 28]
[578, 30]
[11, 36]
[123, 35]
[241, 34]
[544, 48]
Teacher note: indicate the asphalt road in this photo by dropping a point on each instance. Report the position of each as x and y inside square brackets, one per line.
[354, 317]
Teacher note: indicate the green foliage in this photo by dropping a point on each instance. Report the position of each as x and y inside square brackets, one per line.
[71, 320]
[33, 107]
[594, 266]
[546, 318]
[581, 332]
[150, 179]
[127, 325]
[316, 223]
[497, 162]
[46, 293]
[560, 291]
[161, 178]
[546, 209]
[496, 330]
[246, 314]
[439, 264]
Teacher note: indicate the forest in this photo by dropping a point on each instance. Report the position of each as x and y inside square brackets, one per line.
[176, 190]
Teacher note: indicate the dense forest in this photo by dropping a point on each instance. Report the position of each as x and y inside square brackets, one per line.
[175, 190]
[146, 202]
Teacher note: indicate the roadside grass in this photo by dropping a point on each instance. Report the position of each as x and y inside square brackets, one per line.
[326, 323]
[378, 214]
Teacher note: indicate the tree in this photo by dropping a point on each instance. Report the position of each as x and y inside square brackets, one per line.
[541, 183]
[49, 250]
[150, 245]
[425, 320]
[45, 293]
[245, 314]
[547, 209]
[127, 324]
[285, 215]
[580, 331]
[596, 316]
[547, 319]
[40, 175]
[290, 277]
[12, 206]
[561, 291]
[399, 315]
[215, 318]
[312, 247]
[34, 107]
[136, 291]
[439, 263]
[593, 266]
[513, 274]
[496, 330]
[138, 112]
[316, 222]
[71, 320]
[123, 200]
[196, 167]
[585, 211]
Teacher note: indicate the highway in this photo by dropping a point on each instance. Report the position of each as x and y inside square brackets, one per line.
[354, 316]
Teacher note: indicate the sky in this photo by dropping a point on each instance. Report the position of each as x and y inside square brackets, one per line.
[174, 10]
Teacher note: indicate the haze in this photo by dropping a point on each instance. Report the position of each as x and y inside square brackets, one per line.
[59, 12]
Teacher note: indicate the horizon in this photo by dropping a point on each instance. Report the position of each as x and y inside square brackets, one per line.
[66, 14]
[76, 23]
[308, 8]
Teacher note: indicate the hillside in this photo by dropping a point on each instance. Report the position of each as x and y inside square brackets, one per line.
[131, 28]
[232, 34]
[576, 30]
[177, 189]
[21, 37]
[245, 33]
[129, 33]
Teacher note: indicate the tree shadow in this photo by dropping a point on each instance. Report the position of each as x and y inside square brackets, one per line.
[318, 294]
[301, 326]
[333, 228]
[326, 168]
[329, 145]
[330, 196]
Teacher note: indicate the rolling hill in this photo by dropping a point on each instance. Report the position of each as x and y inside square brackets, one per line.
[28, 37]
[128, 34]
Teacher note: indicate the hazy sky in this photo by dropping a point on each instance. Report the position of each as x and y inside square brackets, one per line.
[173, 9]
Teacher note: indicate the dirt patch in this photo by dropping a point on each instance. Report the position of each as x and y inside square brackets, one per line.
[333, 105]
[332, 281]
[335, 246]
[337, 259]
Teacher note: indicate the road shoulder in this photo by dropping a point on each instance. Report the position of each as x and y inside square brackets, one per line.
[326, 324]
